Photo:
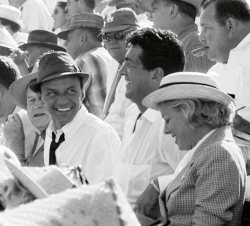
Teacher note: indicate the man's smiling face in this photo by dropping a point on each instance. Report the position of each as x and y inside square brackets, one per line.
[62, 98]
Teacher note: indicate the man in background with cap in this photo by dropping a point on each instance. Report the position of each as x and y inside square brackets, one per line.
[135, 5]
[34, 14]
[39, 42]
[10, 18]
[74, 136]
[76, 7]
[84, 44]
[179, 17]
[117, 26]
[146, 152]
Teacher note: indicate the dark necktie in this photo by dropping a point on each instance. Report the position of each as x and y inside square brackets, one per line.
[53, 146]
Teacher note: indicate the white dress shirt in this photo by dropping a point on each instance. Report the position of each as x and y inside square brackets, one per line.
[35, 16]
[146, 153]
[234, 78]
[116, 113]
[89, 142]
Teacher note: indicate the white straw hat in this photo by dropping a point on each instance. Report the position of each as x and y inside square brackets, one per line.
[11, 13]
[100, 204]
[187, 85]
[40, 181]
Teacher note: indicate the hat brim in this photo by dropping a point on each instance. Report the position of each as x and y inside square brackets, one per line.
[26, 181]
[44, 44]
[117, 28]
[184, 91]
[18, 90]
[37, 85]
[64, 34]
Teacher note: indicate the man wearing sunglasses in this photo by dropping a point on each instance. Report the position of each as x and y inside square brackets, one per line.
[117, 26]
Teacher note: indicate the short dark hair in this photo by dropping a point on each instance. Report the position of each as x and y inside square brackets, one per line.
[238, 9]
[62, 4]
[90, 3]
[14, 26]
[8, 71]
[184, 7]
[159, 49]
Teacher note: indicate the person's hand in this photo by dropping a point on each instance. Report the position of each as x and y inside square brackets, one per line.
[14, 135]
[147, 204]
[19, 56]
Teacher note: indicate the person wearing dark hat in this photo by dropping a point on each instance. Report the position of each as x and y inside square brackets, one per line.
[116, 28]
[179, 17]
[10, 18]
[26, 99]
[208, 186]
[74, 135]
[84, 44]
[76, 7]
[39, 42]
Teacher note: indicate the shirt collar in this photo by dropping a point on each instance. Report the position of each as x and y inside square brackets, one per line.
[243, 42]
[189, 29]
[149, 114]
[70, 127]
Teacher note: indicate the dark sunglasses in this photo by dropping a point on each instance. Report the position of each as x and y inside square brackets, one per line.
[119, 36]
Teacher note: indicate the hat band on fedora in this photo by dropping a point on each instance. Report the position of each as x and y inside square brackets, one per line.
[186, 83]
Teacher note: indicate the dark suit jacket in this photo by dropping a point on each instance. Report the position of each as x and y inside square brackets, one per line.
[210, 191]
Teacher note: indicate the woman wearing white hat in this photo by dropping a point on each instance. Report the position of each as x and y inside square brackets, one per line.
[208, 186]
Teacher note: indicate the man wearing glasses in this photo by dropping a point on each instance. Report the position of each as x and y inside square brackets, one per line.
[117, 26]
[84, 44]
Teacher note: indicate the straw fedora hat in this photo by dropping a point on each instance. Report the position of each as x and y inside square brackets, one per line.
[56, 64]
[187, 85]
[91, 20]
[42, 38]
[41, 181]
[11, 13]
[18, 89]
[99, 204]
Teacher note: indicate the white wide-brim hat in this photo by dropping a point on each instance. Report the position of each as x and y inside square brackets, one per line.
[40, 181]
[11, 13]
[187, 85]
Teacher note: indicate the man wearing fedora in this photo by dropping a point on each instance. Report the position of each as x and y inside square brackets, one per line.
[84, 44]
[146, 152]
[39, 42]
[76, 7]
[179, 17]
[10, 18]
[117, 26]
[74, 135]
[26, 99]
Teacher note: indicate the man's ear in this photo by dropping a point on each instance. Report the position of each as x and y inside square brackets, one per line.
[157, 75]
[174, 11]
[231, 26]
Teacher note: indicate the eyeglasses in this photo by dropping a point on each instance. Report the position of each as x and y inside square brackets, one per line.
[119, 36]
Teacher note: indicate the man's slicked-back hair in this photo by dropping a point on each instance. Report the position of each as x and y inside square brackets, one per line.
[238, 9]
[8, 72]
[159, 49]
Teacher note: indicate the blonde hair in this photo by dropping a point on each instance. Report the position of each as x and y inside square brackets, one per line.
[198, 112]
